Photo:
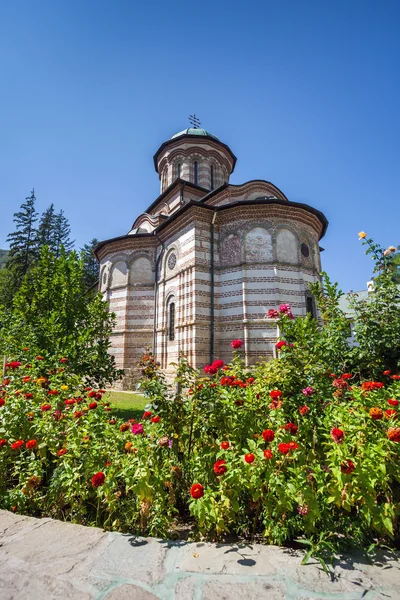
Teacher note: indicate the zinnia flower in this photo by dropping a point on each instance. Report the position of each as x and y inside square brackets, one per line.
[13, 365]
[347, 467]
[61, 452]
[17, 444]
[63, 360]
[70, 401]
[302, 510]
[236, 344]
[53, 392]
[28, 396]
[155, 419]
[376, 413]
[224, 445]
[390, 413]
[308, 391]
[137, 428]
[272, 314]
[249, 458]
[197, 491]
[346, 376]
[2, 402]
[219, 467]
[98, 479]
[78, 414]
[274, 394]
[268, 435]
[304, 410]
[393, 434]
[393, 402]
[268, 454]
[290, 427]
[39, 358]
[124, 427]
[45, 407]
[372, 385]
[26, 379]
[337, 435]
[147, 414]
[92, 394]
[93, 405]
[3, 442]
[31, 444]
[387, 372]
[285, 448]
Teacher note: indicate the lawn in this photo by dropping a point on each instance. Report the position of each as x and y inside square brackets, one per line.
[127, 405]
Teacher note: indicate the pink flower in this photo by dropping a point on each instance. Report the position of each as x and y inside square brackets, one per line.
[217, 364]
[273, 314]
[236, 344]
[308, 391]
[137, 428]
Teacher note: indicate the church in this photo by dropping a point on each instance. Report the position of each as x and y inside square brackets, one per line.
[206, 261]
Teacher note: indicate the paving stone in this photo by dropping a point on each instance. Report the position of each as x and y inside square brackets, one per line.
[220, 590]
[184, 589]
[127, 557]
[130, 592]
[235, 560]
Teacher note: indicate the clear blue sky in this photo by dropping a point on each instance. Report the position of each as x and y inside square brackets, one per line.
[305, 93]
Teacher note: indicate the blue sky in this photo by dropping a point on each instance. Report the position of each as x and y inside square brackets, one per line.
[305, 93]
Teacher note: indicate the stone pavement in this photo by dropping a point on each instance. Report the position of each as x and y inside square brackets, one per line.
[42, 559]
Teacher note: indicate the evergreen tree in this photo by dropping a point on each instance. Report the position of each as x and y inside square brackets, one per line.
[90, 263]
[23, 242]
[62, 234]
[46, 229]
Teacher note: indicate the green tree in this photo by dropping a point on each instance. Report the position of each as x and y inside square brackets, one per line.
[55, 315]
[23, 241]
[90, 262]
[46, 229]
[62, 234]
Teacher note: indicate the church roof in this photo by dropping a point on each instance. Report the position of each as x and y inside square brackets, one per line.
[194, 131]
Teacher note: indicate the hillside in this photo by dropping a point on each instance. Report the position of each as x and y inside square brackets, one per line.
[3, 257]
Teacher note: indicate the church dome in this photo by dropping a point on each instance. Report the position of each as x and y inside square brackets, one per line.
[194, 131]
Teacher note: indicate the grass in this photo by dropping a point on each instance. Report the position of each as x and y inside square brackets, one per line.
[127, 405]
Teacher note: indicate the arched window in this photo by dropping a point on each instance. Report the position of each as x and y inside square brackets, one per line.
[310, 305]
[212, 177]
[178, 170]
[195, 173]
[171, 322]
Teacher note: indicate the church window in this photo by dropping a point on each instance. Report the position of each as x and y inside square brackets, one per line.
[171, 322]
[171, 261]
[178, 170]
[212, 177]
[310, 305]
[305, 250]
[195, 172]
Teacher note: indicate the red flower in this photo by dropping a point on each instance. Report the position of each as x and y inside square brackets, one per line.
[272, 314]
[26, 379]
[61, 452]
[53, 392]
[249, 458]
[346, 376]
[393, 434]
[93, 405]
[217, 364]
[293, 445]
[390, 413]
[31, 444]
[347, 466]
[393, 402]
[197, 491]
[268, 435]
[92, 394]
[304, 410]
[268, 454]
[210, 370]
[226, 380]
[70, 401]
[219, 467]
[107, 463]
[250, 380]
[280, 344]
[28, 396]
[290, 427]
[2, 402]
[146, 415]
[63, 360]
[155, 419]
[13, 365]
[98, 479]
[274, 394]
[284, 448]
[340, 384]
[78, 414]
[25, 349]
[17, 444]
[337, 435]
[395, 377]
[3, 442]
[387, 372]
[6, 382]
[372, 385]
[236, 344]
[45, 407]
[88, 389]
[39, 358]
[224, 445]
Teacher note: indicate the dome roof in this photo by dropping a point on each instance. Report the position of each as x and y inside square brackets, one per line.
[194, 131]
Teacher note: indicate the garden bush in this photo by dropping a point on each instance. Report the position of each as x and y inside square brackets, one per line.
[304, 446]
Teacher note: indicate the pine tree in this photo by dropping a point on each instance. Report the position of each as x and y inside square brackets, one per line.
[46, 229]
[23, 242]
[90, 263]
[62, 233]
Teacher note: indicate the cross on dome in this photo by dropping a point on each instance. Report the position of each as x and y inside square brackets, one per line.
[194, 121]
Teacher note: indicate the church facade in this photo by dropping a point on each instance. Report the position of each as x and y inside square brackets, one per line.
[206, 261]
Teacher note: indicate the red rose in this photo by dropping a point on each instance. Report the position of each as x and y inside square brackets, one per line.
[219, 467]
[146, 415]
[98, 479]
[217, 364]
[304, 410]
[337, 435]
[3, 442]
[31, 444]
[249, 458]
[268, 435]
[236, 344]
[17, 444]
[93, 405]
[347, 466]
[224, 445]
[155, 419]
[393, 402]
[2, 402]
[280, 344]
[45, 407]
[268, 454]
[290, 427]
[61, 452]
[274, 394]
[197, 491]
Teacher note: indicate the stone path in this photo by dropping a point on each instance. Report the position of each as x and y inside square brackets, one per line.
[42, 559]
